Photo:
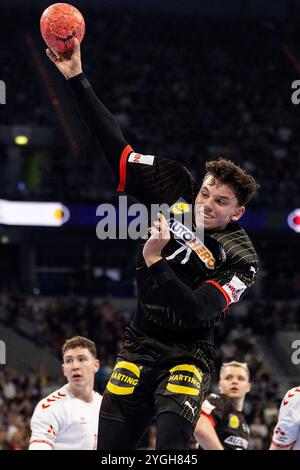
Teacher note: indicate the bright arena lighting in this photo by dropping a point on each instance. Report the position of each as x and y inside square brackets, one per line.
[294, 220]
[21, 140]
[47, 214]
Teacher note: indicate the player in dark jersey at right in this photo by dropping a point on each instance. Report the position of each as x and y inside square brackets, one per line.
[166, 361]
[222, 425]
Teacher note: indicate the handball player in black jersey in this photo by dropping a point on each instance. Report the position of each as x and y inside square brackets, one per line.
[222, 424]
[166, 361]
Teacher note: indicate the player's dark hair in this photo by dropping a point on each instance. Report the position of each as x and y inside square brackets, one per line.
[79, 342]
[227, 172]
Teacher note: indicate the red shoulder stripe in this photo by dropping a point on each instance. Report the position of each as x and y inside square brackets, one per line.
[123, 160]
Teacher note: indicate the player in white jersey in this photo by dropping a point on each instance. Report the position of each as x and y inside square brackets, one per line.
[286, 434]
[68, 418]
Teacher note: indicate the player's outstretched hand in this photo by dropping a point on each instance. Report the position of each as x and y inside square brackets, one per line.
[160, 236]
[68, 67]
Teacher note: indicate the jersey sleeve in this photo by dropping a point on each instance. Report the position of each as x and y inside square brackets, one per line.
[203, 306]
[154, 180]
[287, 429]
[193, 308]
[45, 426]
[149, 179]
[233, 281]
[215, 408]
[240, 266]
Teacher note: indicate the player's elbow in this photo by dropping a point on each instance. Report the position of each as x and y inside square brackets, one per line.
[201, 428]
[207, 305]
[199, 433]
[201, 313]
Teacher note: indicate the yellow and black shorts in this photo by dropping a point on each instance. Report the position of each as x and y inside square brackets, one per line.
[151, 377]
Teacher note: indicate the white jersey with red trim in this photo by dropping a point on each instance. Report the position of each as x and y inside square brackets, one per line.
[287, 431]
[62, 421]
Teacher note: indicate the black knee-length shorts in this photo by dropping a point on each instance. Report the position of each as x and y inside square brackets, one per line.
[153, 376]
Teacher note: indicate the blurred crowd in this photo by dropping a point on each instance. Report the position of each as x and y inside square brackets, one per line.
[19, 394]
[203, 95]
[48, 322]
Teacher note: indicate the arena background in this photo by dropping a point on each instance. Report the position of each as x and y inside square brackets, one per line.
[189, 80]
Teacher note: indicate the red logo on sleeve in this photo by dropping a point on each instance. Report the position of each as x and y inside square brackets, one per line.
[279, 431]
[51, 431]
[45, 406]
[291, 395]
[53, 399]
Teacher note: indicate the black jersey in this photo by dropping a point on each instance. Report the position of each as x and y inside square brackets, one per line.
[224, 266]
[230, 425]
[182, 295]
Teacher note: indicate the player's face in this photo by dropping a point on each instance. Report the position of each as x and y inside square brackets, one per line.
[216, 205]
[79, 367]
[234, 382]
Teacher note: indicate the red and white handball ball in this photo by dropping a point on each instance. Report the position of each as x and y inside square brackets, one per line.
[60, 24]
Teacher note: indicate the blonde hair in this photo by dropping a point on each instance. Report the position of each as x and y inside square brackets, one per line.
[243, 365]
